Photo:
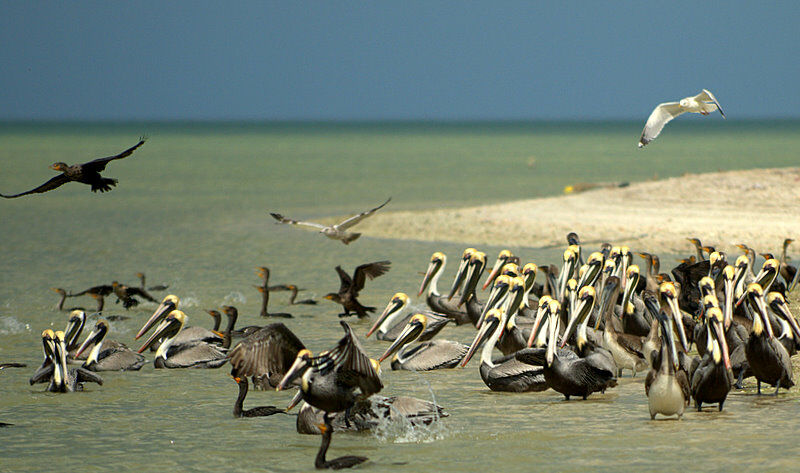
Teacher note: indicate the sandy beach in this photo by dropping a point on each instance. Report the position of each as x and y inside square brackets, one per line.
[757, 207]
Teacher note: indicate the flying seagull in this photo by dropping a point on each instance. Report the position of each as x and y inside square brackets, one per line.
[703, 103]
[334, 232]
[86, 173]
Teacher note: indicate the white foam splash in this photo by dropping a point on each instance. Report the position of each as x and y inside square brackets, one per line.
[189, 301]
[234, 297]
[10, 325]
[401, 430]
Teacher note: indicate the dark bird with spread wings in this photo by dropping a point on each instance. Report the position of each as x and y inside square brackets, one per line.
[350, 287]
[337, 231]
[86, 173]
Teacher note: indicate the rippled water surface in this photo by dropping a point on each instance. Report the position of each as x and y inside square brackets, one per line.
[191, 211]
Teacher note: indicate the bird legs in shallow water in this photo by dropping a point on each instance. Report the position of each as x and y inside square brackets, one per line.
[348, 461]
[777, 387]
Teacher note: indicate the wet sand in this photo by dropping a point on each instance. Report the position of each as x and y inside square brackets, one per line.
[757, 207]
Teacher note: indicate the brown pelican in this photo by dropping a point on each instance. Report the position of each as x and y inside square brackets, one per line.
[334, 232]
[497, 296]
[710, 380]
[45, 371]
[437, 302]
[568, 374]
[350, 287]
[64, 379]
[768, 359]
[335, 379]
[430, 355]
[472, 273]
[197, 354]
[261, 411]
[667, 386]
[391, 323]
[266, 355]
[187, 335]
[86, 173]
[119, 358]
[507, 374]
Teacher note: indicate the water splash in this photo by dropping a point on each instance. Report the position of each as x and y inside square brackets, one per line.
[189, 301]
[400, 429]
[234, 297]
[9, 325]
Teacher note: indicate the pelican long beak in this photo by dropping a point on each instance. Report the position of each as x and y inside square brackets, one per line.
[677, 317]
[433, 267]
[89, 340]
[758, 301]
[460, 274]
[410, 333]
[781, 309]
[581, 313]
[162, 310]
[498, 265]
[300, 365]
[631, 280]
[666, 333]
[552, 341]
[719, 333]
[483, 334]
[499, 291]
[295, 401]
[727, 308]
[474, 273]
[168, 328]
[541, 312]
[393, 307]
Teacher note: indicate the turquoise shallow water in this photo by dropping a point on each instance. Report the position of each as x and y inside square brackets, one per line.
[191, 211]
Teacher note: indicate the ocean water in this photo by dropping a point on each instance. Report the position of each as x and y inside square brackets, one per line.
[191, 211]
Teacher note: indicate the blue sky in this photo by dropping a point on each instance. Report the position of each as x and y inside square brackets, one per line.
[378, 60]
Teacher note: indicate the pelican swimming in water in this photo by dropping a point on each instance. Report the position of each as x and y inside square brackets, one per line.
[334, 232]
[197, 354]
[119, 358]
[431, 355]
[508, 373]
[438, 302]
[187, 334]
[667, 386]
[391, 322]
[67, 380]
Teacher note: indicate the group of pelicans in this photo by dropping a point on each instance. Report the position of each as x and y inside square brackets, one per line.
[575, 333]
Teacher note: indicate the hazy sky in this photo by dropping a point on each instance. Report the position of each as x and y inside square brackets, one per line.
[332, 60]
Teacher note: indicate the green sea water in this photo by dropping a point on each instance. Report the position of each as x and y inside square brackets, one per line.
[191, 210]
